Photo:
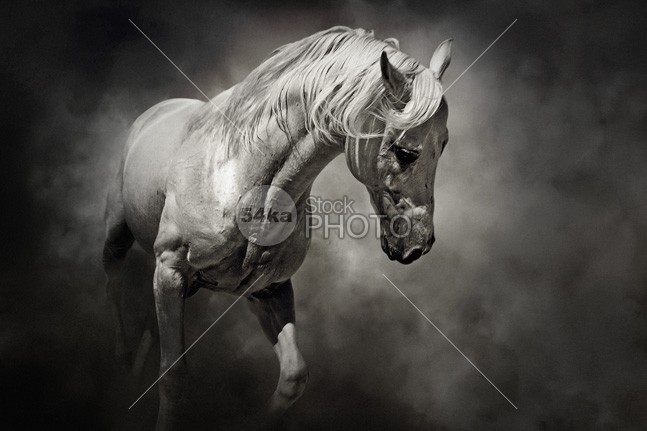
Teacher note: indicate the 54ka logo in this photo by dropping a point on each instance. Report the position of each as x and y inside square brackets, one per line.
[259, 214]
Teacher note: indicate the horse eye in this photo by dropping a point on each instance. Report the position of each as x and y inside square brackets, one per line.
[404, 156]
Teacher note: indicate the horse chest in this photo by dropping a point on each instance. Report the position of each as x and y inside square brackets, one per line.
[247, 261]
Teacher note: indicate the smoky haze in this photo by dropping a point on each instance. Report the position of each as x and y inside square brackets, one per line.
[539, 271]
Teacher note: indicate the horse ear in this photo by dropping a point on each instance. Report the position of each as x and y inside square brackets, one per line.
[441, 58]
[395, 43]
[395, 82]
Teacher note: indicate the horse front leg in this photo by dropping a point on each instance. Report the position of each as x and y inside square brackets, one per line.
[169, 286]
[274, 307]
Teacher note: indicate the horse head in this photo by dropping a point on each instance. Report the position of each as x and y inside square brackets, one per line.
[399, 167]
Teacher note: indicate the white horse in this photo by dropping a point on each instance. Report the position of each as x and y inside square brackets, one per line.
[187, 163]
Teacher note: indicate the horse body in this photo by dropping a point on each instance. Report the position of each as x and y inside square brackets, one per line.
[154, 139]
[197, 188]
[180, 181]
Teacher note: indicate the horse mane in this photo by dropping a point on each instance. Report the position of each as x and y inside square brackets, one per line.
[336, 74]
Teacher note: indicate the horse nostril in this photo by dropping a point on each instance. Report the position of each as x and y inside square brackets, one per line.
[411, 255]
[387, 249]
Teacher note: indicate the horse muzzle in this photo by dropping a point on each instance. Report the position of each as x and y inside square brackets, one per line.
[408, 255]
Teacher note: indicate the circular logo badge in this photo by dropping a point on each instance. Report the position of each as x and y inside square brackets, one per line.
[266, 215]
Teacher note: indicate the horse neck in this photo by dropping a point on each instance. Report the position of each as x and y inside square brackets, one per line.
[299, 158]
[307, 158]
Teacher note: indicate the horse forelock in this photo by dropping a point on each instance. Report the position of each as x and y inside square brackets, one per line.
[336, 74]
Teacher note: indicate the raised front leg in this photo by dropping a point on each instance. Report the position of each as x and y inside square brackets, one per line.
[274, 307]
[169, 285]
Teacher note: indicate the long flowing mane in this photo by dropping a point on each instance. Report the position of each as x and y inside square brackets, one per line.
[336, 74]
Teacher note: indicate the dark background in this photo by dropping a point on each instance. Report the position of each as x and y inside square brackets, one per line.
[539, 273]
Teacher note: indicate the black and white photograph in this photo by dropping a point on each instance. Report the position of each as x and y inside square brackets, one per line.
[323, 215]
